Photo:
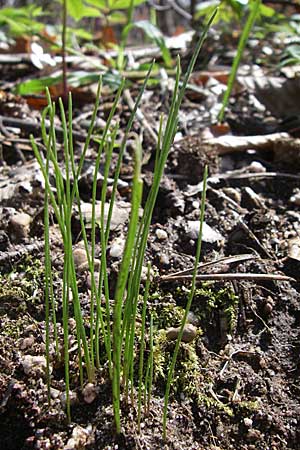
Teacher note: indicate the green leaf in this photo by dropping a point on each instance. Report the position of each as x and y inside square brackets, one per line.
[77, 10]
[19, 20]
[39, 85]
[111, 5]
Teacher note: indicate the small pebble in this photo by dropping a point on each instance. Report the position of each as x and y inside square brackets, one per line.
[73, 398]
[81, 261]
[34, 364]
[254, 435]
[162, 235]
[78, 439]
[117, 248]
[248, 422]
[55, 393]
[257, 167]
[209, 235]
[189, 333]
[234, 194]
[79, 255]
[164, 260]
[295, 199]
[89, 279]
[89, 393]
[20, 226]
[27, 342]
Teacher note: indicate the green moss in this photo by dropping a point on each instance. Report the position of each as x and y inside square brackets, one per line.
[249, 406]
[213, 305]
[187, 377]
[21, 286]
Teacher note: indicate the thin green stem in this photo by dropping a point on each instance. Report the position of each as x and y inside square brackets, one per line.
[188, 306]
[142, 347]
[121, 284]
[240, 50]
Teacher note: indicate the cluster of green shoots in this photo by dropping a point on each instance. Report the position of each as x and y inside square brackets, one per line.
[112, 323]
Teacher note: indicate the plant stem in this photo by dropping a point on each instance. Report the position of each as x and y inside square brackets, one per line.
[64, 62]
[188, 306]
[236, 62]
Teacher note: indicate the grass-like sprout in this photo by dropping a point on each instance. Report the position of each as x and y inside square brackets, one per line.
[240, 50]
[188, 306]
[118, 338]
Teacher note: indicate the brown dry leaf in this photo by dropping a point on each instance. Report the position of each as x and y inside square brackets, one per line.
[108, 36]
[37, 102]
[22, 45]
[201, 78]
[220, 129]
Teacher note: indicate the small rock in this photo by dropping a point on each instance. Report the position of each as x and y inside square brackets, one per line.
[89, 279]
[164, 260]
[34, 364]
[89, 393]
[79, 438]
[73, 398]
[208, 234]
[81, 260]
[117, 248]
[27, 342]
[79, 255]
[295, 198]
[248, 422]
[234, 194]
[55, 393]
[144, 274]
[189, 333]
[162, 235]
[257, 167]
[254, 435]
[20, 226]
[268, 308]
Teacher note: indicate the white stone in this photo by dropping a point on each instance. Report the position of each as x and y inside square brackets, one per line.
[117, 248]
[209, 235]
[248, 422]
[162, 235]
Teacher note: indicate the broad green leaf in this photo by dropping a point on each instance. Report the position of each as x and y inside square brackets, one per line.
[34, 86]
[266, 11]
[75, 79]
[118, 17]
[111, 5]
[77, 10]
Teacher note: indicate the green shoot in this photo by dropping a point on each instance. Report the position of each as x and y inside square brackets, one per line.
[188, 306]
[142, 346]
[240, 50]
[122, 281]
